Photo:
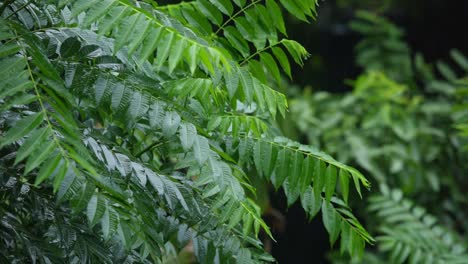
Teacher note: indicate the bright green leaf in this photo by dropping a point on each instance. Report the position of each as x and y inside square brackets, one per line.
[22, 128]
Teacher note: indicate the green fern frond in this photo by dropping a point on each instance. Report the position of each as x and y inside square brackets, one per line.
[172, 47]
[311, 175]
[154, 30]
[408, 233]
[122, 111]
[382, 48]
[237, 125]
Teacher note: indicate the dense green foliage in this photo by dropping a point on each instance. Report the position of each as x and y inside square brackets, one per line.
[399, 125]
[131, 132]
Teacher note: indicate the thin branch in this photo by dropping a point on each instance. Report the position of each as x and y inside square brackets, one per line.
[236, 14]
[153, 145]
[5, 5]
[40, 101]
[258, 52]
[19, 9]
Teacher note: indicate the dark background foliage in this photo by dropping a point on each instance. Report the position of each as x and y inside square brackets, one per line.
[431, 27]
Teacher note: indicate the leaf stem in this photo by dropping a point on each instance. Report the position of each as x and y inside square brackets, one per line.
[41, 103]
[258, 52]
[19, 9]
[236, 14]
[330, 160]
[5, 5]
[175, 6]
[153, 145]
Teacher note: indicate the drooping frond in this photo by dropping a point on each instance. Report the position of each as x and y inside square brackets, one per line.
[408, 233]
[454, 84]
[383, 47]
[161, 40]
[312, 176]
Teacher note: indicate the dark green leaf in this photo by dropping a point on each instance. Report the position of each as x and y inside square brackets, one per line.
[240, 3]
[224, 6]
[270, 63]
[295, 173]
[210, 11]
[47, 169]
[109, 222]
[331, 221]
[283, 60]
[237, 40]
[330, 182]
[35, 139]
[22, 128]
[70, 47]
[171, 123]
[308, 167]
[275, 13]
[39, 156]
[281, 168]
[187, 134]
[344, 184]
[294, 9]
[310, 203]
[95, 209]
[201, 149]
[8, 49]
[164, 49]
[176, 53]
[319, 178]
[63, 181]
